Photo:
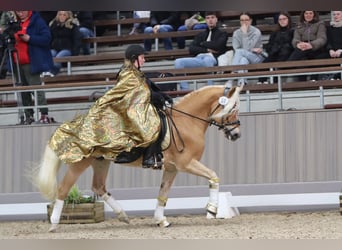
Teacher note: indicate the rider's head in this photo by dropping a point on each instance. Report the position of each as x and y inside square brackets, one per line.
[135, 54]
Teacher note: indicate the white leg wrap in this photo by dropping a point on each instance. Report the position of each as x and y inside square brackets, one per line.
[159, 212]
[213, 195]
[112, 203]
[57, 211]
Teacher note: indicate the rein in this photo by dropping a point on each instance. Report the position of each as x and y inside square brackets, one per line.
[212, 122]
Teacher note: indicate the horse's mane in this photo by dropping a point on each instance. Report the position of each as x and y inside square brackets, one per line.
[203, 90]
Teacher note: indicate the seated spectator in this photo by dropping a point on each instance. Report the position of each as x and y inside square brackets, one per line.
[162, 21]
[205, 47]
[192, 21]
[247, 45]
[66, 38]
[139, 27]
[309, 38]
[279, 46]
[85, 19]
[334, 42]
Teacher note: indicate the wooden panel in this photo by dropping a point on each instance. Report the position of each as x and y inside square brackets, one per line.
[275, 147]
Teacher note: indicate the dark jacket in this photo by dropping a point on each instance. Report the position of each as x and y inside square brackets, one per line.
[334, 35]
[218, 42]
[165, 17]
[39, 44]
[279, 46]
[67, 36]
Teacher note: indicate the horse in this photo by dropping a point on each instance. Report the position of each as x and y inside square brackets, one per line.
[188, 120]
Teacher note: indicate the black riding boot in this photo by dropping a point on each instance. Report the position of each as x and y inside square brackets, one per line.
[153, 156]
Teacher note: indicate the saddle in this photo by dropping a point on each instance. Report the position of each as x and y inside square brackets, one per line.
[135, 153]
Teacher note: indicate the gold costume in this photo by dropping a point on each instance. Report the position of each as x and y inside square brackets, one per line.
[120, 120]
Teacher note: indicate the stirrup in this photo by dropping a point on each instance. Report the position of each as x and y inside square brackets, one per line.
[154, 162]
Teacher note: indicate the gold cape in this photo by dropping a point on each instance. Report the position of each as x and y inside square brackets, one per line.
[118, 121]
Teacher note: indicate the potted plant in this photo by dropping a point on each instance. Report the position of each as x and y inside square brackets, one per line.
[79, 208]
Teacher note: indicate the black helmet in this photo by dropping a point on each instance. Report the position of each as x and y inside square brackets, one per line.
[133, 51]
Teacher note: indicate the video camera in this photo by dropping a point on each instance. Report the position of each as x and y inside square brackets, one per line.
[7, 36]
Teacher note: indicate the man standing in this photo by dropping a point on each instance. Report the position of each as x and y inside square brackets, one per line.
[206, 47]
[33, 46]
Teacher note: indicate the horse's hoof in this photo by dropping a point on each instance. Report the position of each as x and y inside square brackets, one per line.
[212, 209]
[122, 216]
[53, 228]
[163, 223]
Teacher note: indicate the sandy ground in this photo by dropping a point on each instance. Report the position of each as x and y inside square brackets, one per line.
[303, 225]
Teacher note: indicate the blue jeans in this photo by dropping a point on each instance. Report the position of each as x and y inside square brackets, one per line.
[181, 40]
[57, 66]
[201, 60]
[86, 33]
[243, 57]
[167, 41]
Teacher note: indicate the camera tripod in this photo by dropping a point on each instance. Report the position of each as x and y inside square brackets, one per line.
[10, 53]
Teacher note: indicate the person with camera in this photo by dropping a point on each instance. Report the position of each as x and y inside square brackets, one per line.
[32, 43]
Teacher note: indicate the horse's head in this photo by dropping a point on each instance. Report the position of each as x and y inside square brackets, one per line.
[228, 118]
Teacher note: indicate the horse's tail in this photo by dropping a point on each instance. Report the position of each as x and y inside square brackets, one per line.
[44, 176]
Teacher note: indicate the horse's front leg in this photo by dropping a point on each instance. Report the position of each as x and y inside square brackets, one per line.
[100, 168]
[197, 168]
[70, 178]
[169, 176]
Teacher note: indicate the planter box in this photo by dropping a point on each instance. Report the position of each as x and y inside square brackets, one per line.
[80, 213]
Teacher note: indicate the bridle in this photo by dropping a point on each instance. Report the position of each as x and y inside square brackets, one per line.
[223, 125]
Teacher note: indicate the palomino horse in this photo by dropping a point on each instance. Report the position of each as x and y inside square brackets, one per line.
[189, 120]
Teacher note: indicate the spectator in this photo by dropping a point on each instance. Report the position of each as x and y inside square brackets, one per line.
[66, 38]
[205, 47]
[334, 42]
[247, 45]
[139, 27]
[85, 19]
[309, 38]
[279, 46]
[192, 21]
[33, 46]
[6, 18]
[162, 21]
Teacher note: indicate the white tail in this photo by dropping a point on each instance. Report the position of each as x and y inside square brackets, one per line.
[45, 175]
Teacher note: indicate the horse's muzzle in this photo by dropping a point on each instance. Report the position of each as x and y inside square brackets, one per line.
[234, 137]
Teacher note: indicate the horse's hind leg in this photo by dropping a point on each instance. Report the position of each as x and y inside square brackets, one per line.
[70, 178]
[101, 168]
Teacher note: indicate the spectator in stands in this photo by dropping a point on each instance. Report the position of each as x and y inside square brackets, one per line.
[279, 46]
[247, 45]
[66, 38]
[6, 18]
[205, 47]
[192, 21]
[139, 27]
[334, 42]
[33, 46]
[162, 21]
[309, 36]
[85, 19]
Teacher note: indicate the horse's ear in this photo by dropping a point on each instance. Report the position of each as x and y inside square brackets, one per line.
[239, 88]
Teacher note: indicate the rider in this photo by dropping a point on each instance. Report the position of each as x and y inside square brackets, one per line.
[124, 118]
